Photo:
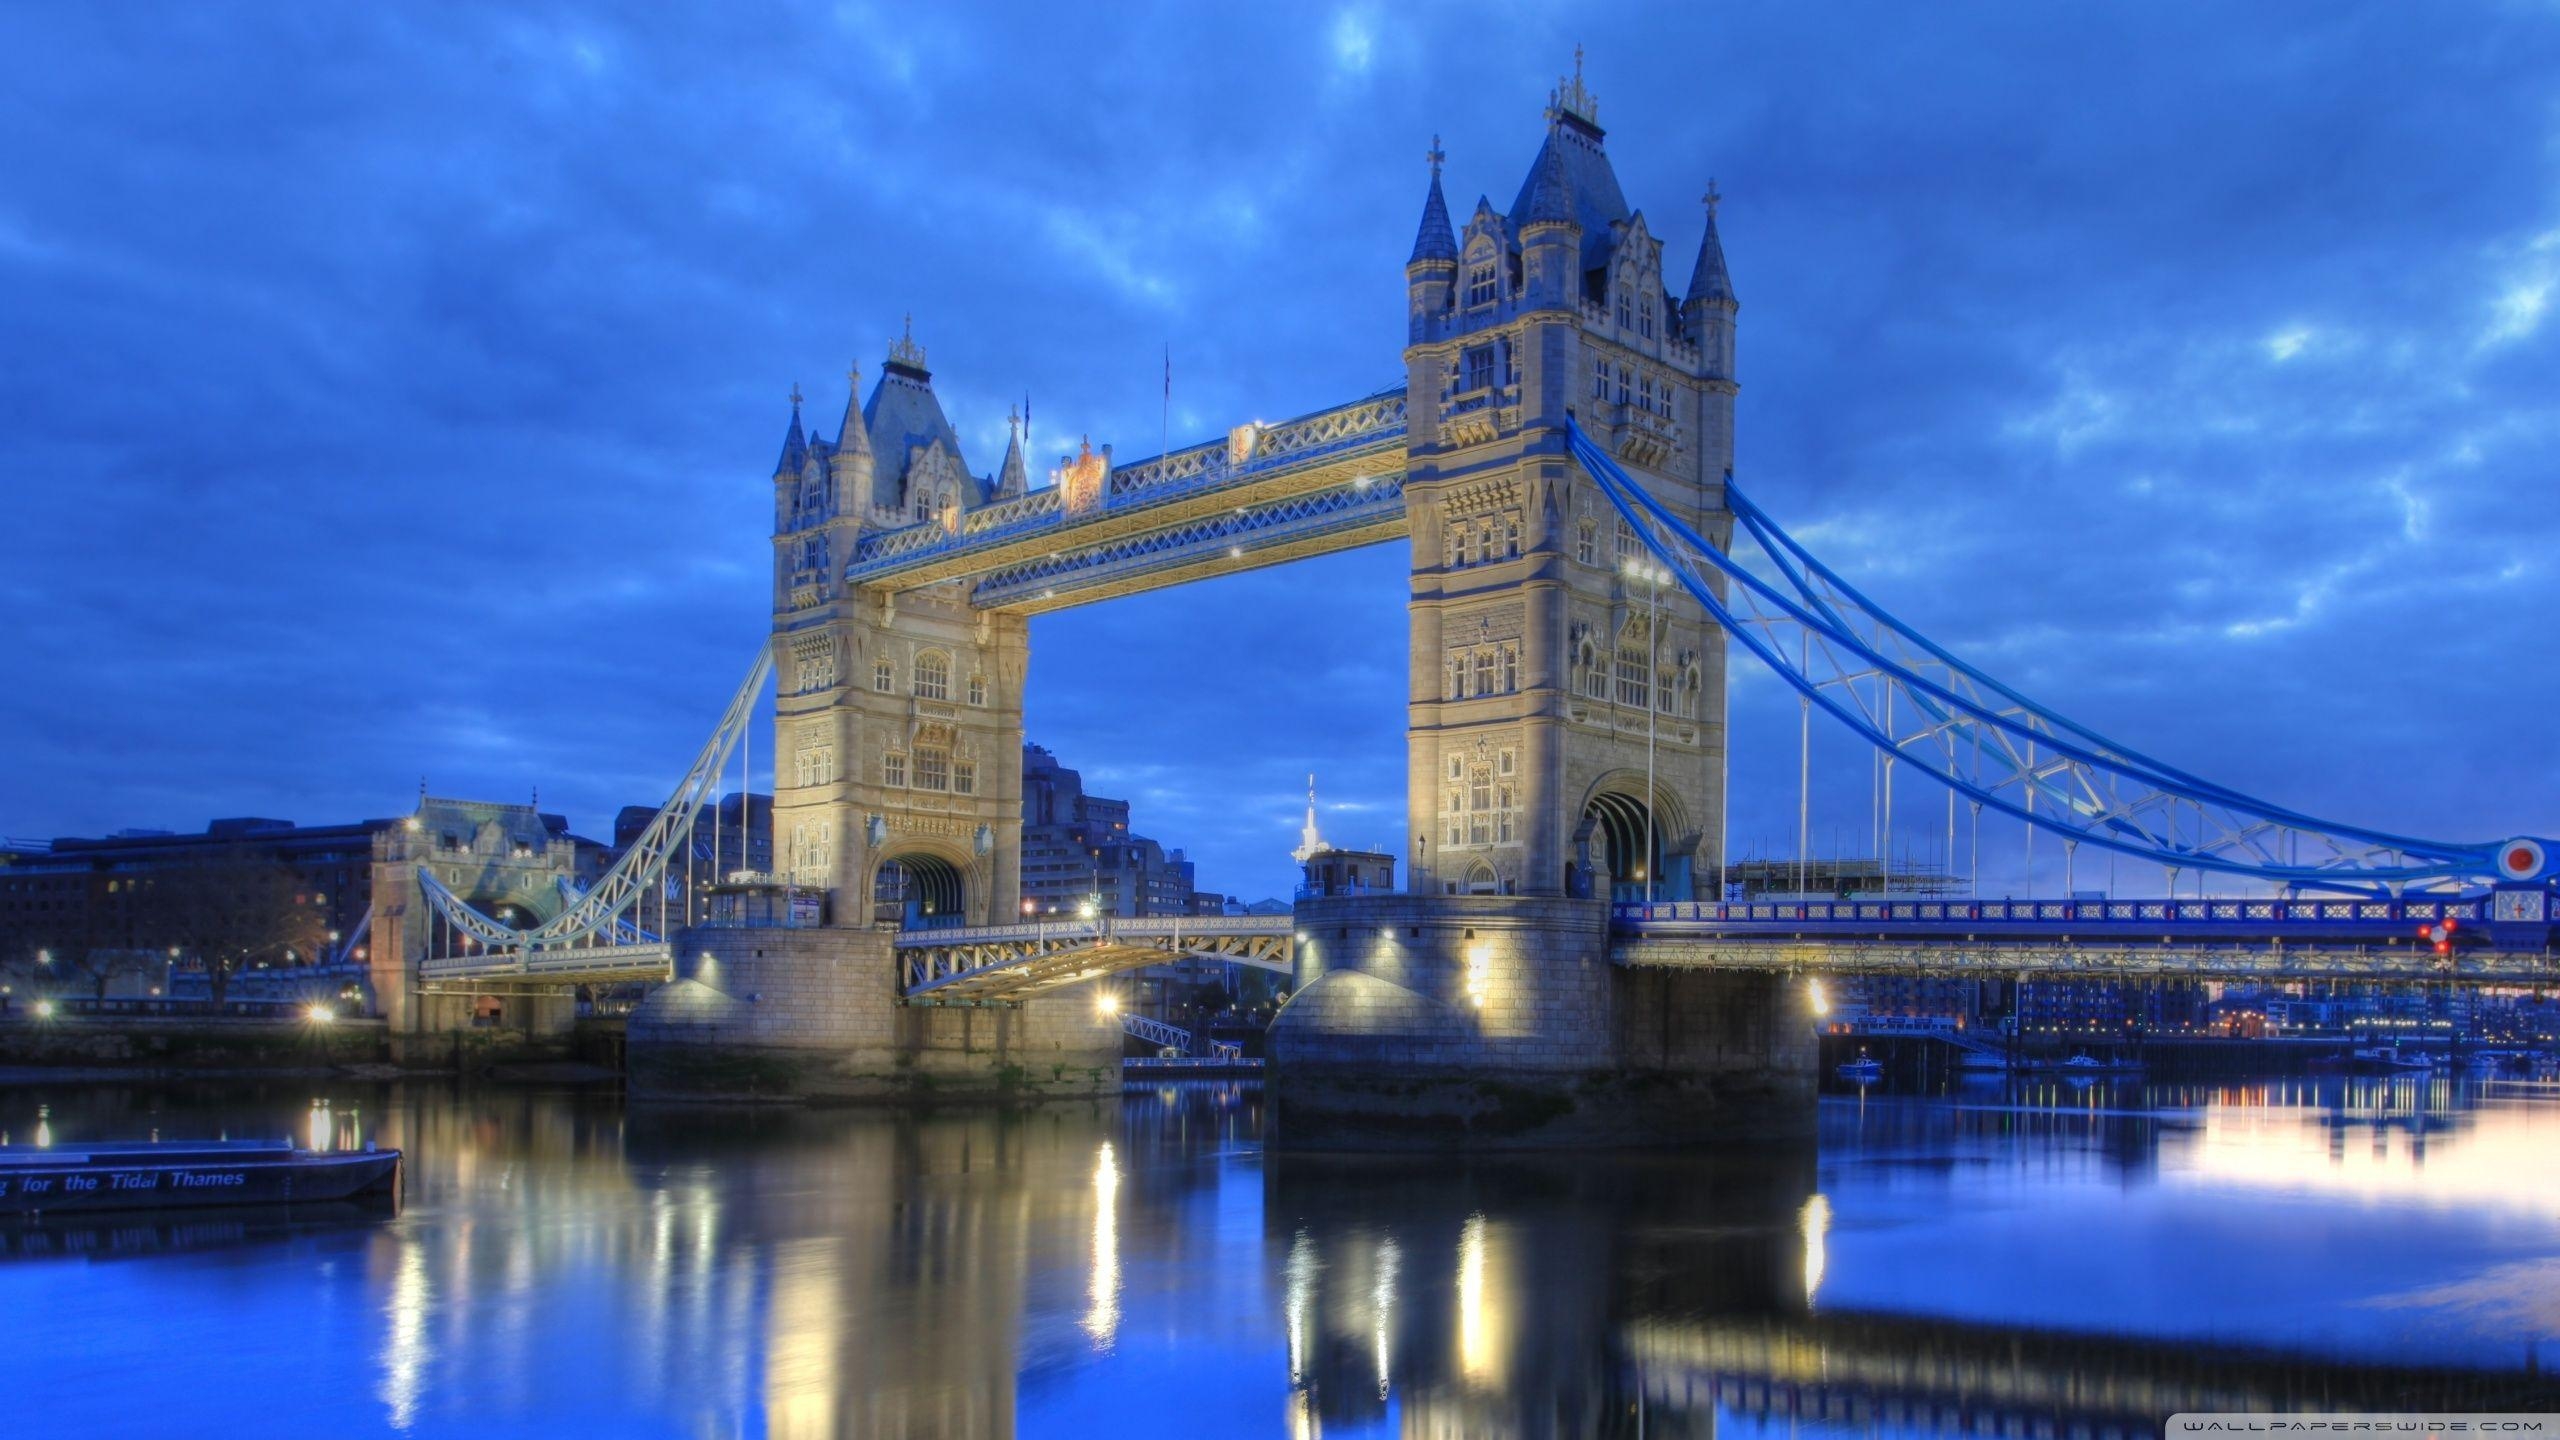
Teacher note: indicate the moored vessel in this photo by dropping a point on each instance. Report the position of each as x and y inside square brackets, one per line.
[129, 1175]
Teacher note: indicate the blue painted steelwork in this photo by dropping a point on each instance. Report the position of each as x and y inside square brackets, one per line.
[1855, 661]
[2354, 921]
[1237, 533]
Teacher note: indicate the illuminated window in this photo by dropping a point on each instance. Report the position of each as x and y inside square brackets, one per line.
[893, 769]
[933, 676]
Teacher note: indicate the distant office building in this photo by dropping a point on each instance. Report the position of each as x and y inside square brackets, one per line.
[1328, 869]
[1078, 846]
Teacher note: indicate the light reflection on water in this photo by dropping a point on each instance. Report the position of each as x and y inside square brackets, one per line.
[1987, 1261]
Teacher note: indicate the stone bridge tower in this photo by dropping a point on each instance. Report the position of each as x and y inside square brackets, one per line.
[898, 719]
[1482, 1007]
[1539, 671]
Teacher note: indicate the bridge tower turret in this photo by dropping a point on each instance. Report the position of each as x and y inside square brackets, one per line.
[898, 722]
[1551, 675]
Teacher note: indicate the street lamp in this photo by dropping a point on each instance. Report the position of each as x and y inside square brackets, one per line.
[1653, 577]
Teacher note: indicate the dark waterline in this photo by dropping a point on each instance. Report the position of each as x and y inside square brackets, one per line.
[1950, 1265]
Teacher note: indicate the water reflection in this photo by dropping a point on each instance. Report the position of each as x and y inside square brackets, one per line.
[1975, 1264]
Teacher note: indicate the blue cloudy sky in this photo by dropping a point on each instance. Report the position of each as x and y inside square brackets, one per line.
[390, 391]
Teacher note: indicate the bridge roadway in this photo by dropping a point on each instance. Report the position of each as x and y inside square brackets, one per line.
[2269, 940]
[1326, 481]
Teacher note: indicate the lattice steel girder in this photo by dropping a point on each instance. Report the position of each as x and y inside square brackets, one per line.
[2105, 961]
[567, 965]
[1342, 517]
[1015, 962]
[1343, 444]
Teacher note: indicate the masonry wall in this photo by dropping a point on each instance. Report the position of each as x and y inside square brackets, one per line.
[784, 1014]
[1499, 1021]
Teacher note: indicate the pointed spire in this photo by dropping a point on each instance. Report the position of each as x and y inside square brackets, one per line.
[852, 436]
[1012, 477]
[795, 445]
[1437, 239]
[1550, 196]
[1709, 280]
[1309, 842]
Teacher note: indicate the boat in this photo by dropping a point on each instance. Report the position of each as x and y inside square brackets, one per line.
[2388, 1060]
[129, 1175]
[1863, 1069]
[2084, 1063]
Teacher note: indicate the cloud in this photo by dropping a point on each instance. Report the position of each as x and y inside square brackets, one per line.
[388, 398]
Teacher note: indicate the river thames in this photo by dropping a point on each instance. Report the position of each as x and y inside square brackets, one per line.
[2047, 1260]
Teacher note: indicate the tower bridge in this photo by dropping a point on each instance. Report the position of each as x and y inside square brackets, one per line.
[1559, 464]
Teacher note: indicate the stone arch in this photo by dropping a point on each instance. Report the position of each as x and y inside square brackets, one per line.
[920, 888]
[1481, 879]
[1609, 841]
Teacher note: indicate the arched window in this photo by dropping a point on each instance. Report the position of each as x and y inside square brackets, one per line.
[1483, 283]
[1635, 666]
[933, 676]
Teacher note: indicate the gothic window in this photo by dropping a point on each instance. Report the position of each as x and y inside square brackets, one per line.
[933, 676]
[893, 770]
[1504, 762]
[1644, 393]
[1484, 673]
[1644, 317]
[964, 776]
[882, 676]
[1482, 286]
[1599, 379]
[1510, 534]
[1586, 543]
[1503, 813]
[816, 765]
[1457, 767]
[810, 849]
[1626, 543]
[977, 689]
[1457, 677]
[1635, 666]
[817, 670]
[1466, 544]
[1623, 378]
[1480, 807]
[1478, 369]
[933, 768]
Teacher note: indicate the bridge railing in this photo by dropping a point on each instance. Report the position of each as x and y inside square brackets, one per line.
[2237, 913]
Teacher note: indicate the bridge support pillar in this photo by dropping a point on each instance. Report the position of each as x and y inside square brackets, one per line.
[1499, 1021]
[814, 1014]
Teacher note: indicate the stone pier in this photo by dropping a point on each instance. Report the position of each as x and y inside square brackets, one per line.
[773, 1013]
[1498, 1021]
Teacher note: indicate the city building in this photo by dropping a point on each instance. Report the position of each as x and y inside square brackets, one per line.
[1077, 847]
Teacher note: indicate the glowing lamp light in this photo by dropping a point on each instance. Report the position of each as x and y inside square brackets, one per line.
[44, 1009]
[320, 1014]
[1479, 977]
[1109, 1004]
[1816, 998]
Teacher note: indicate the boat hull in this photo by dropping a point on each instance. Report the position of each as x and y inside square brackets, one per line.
[132, 1183]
